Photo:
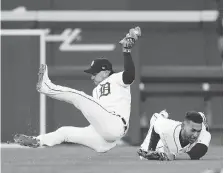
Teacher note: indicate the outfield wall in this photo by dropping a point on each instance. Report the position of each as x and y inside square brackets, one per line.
[20, 111]
[176, 44]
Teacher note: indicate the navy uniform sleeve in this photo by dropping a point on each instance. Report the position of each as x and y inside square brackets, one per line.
[198, 151]
[201, 147]
[154, 139]
[129, 69]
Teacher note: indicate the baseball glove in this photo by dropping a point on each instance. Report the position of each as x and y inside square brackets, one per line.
[130, 39]
[142, 153]
[153, 155]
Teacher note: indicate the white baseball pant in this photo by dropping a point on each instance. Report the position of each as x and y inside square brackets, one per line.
[105, 127]
[87, 136]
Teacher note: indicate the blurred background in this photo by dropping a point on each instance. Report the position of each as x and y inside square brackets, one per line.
[178, 59]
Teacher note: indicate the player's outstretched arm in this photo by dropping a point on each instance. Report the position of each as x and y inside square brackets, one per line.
[127, 44]
[129, 69]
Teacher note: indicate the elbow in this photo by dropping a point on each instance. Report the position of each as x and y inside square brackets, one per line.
[195, 158]
[198, 151]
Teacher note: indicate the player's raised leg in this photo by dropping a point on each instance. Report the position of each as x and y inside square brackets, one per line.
[45, 86]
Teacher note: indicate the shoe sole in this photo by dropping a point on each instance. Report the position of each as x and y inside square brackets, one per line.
[41, 72]
[18, 140]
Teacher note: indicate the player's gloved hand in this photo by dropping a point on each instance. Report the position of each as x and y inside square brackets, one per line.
[142, 153]
[130, 39]
[170, 156]
[155, 155]
[151, 155]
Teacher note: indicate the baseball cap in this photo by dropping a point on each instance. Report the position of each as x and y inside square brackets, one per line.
[98, 65]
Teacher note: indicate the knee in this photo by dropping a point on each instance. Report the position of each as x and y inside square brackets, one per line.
[155, 116]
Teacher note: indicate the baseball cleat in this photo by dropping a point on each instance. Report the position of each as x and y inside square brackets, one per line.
[42, 77]
[142, 154]
[24, 140]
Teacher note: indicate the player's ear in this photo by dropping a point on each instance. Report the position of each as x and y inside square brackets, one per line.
[107, 73]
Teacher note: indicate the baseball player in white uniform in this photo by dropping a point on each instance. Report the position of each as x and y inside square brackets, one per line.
[169, 140]
[107, 110]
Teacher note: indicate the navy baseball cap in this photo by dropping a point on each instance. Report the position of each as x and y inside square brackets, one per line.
[98, 65]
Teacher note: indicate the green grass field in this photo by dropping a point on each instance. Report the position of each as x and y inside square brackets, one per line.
[79, 159]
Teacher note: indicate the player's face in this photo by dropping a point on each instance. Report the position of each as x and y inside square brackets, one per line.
[191, 131]
[99, 77]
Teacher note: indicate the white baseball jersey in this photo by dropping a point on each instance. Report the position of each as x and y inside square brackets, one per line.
[114, 95]
[169, 131]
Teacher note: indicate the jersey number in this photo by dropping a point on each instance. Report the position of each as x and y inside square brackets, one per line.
[105, 89]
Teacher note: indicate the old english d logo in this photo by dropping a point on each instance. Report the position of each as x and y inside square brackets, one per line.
[105, 89]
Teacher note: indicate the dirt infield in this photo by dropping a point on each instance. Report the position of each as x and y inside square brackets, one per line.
[79, 159]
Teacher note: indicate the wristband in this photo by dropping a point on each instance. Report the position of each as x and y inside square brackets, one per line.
[126, 50]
